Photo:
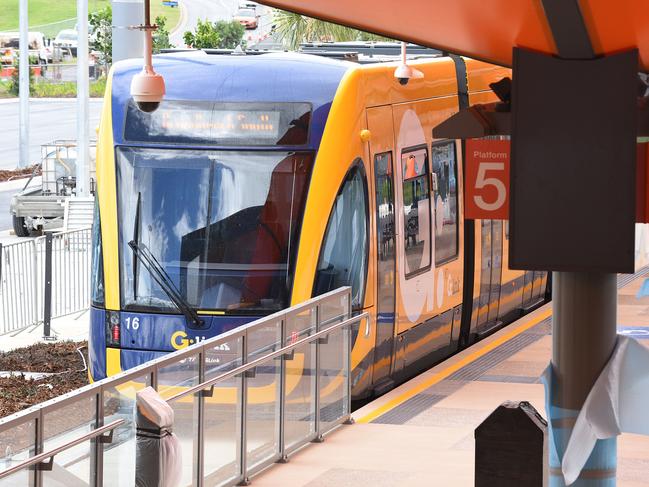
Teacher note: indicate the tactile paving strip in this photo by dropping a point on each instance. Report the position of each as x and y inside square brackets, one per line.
[474, 371]
[409, 409]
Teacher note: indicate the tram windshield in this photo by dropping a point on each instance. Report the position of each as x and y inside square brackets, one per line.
[222, 224]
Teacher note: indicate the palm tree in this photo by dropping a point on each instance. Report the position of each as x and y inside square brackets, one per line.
[293, 29]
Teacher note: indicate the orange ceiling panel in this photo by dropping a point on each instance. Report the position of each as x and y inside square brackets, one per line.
[483, 29]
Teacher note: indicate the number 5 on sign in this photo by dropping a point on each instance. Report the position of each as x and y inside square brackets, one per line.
[487, 179]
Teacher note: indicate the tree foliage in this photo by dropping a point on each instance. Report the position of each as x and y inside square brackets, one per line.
[102, 37]
[293, 29]
[215, 35]
[161, 35]
[14, 81]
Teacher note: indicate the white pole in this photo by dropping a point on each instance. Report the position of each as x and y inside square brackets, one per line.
[83, 124]
[23, 77]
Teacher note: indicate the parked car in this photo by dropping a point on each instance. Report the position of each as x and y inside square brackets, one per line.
[246, 17]
[67, 39]
[249, 5]
[37, 44]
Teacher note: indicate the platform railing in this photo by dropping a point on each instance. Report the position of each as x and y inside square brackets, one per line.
[43, 278]
[241, 401]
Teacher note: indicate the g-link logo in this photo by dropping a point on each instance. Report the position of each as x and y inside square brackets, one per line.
[179, 340]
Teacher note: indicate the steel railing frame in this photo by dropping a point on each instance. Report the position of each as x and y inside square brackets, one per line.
[342, 322]
[44, 278]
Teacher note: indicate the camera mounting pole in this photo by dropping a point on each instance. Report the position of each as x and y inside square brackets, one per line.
[147, 87]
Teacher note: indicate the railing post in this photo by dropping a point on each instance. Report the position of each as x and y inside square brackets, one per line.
[200, 437]
[283, 458]
[347, 339]
[244, 414]
[47, 296]
[318, 436]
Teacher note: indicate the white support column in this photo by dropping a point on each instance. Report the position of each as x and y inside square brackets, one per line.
[83, 123]
[127, 44]
[23, 77]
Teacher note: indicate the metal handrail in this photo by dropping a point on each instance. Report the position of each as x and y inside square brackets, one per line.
[37, 459]
[327, 313]
[251, 365]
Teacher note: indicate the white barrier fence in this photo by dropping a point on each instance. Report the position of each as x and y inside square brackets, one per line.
[24, 278]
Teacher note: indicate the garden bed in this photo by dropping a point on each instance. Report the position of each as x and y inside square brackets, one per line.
[63, 360]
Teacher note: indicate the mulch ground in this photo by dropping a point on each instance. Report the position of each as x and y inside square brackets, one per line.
[6, 174]
[62, 358]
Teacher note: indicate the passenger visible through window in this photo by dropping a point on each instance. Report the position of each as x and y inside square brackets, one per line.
[416, 207]
[445, 203]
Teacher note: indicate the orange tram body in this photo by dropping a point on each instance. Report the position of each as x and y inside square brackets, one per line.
[264, 180]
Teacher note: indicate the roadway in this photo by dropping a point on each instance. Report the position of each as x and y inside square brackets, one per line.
[49, 119]
[215, 10]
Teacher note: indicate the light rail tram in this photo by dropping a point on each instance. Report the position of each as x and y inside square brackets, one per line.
[264, 180]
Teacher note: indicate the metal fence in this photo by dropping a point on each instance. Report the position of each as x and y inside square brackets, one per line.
[241, 401]
[29, 293]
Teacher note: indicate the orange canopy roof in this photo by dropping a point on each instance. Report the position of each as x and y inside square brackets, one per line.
[484, 29]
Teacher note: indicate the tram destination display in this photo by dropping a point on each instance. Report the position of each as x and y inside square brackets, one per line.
[208, 123]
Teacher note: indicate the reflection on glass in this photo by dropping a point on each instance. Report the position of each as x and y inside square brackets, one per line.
[416, 208]
[343, 258]
[17, 445]
[222, 224]
[300, 369]
[445, 170]
[333, 377]
[263, 407]
[222, 418]
[62, 426]
[119, 456]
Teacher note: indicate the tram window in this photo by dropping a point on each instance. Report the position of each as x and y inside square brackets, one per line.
[416, 209]
[97, 292]
[222, 224]
[445, 201]
[343, 257]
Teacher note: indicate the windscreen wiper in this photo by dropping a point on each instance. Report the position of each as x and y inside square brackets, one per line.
[148, 260]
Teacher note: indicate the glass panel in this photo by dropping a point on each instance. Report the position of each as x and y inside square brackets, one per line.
[16, 446]
[223, 225]
[333, 310]
[416, 208]
[173, 379]
[445, 191]
[333, 379]
[264, 339]
[385, 263]
[97, 286]
[72, 466]
[300, 380]
[262, 425]
[222, 431]
[119, 456]
[343, 258]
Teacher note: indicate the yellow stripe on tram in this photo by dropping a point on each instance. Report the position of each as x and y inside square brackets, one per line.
[444, 373]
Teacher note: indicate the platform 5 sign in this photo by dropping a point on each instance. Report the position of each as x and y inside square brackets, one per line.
[487, 179]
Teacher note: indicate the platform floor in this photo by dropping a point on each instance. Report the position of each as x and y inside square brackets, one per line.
[421, 433]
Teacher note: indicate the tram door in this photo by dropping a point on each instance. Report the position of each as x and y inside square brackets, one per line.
[380, 124]
[490, 273]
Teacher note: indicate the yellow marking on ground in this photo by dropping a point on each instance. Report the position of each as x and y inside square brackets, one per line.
[444, 373]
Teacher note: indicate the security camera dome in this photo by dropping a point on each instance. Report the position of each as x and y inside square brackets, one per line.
[147, 89]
